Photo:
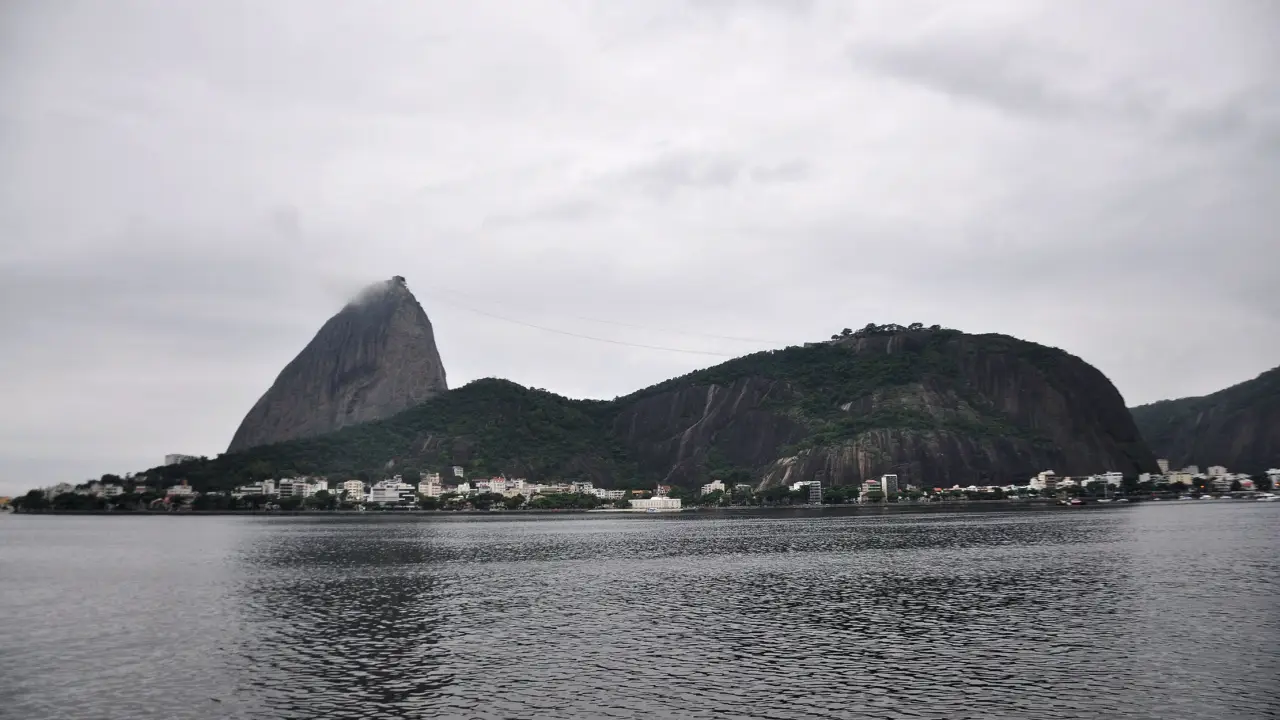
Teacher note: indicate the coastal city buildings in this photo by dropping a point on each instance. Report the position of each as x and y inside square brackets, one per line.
[482, 492]
[1163, 464]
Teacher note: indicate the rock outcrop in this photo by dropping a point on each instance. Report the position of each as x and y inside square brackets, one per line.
[933, 406]
[375, 358]
[937, 407]
[1238, 427]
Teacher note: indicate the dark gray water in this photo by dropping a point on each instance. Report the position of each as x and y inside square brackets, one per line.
[1164, 610]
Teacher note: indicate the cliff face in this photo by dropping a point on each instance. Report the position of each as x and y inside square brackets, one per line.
[936, 407]
[373, 359]
[1238, 427]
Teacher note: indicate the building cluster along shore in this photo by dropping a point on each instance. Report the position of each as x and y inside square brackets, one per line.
[433, 491]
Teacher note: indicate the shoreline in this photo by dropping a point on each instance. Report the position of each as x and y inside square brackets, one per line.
[877, 508]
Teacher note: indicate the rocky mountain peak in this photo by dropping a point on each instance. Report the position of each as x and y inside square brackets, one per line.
[373, 359]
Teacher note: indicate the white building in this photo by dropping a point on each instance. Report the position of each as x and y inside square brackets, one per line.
[889, 484]
[713, 486]
[1180, 476]
[1112, 478]
[1163, 464]
[656, 503]
[1274, 476]
[457, 471]
[1046, 480]
[464, 488]
[392, 492]
[175, 458]
[266, 487]
[293, 487]
[1191, 469]
[55, 490]
[1150, 478]
[183, 490]
[429, 487]
[1217, 471]
[354, 489]
[112, 490]
[610, 494]
[432, 478]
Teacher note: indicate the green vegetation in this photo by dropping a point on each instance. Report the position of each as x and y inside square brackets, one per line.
[862, 381]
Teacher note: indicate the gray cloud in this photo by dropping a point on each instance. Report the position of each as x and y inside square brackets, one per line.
[185, 196]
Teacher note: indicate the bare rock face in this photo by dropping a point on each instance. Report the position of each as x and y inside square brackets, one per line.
[1238, 427]
[935, 407]
[372, 360]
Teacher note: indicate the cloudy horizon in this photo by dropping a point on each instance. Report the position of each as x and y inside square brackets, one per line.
[189, 190]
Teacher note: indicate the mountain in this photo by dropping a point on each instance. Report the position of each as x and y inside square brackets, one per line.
[375, 358]
[1238, 427]
[935, 406]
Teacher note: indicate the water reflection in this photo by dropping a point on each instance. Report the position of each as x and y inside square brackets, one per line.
[1153, 611]
[339, 621]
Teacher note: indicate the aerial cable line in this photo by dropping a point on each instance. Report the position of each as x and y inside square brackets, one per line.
[666, 330]
[578, 335]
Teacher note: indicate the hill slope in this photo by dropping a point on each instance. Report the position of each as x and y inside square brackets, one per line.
[373, 359]
[935, 406]
[1238, 427]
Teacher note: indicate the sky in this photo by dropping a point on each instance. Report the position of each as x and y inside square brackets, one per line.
[188, 190]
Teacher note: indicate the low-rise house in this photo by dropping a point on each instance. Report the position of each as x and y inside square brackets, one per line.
[180, 490]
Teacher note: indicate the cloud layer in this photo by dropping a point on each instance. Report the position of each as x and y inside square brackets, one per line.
[188, 190]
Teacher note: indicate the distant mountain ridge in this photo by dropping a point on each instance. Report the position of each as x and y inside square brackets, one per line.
[1238, 427]
[931, 405]
[373, 359]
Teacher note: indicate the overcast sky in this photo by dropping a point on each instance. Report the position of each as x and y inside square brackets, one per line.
[189, 189]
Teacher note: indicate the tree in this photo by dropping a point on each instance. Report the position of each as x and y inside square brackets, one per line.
[413, 477]
[33, 500]
[290, 503]
[426, 502]
[1263, 483]
[874, 496]
[846, 332]
[622, 503]
[513, 502]
[916, 326]
[1235, 486]
[322, 500]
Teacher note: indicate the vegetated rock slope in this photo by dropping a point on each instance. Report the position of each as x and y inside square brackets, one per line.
[935, 406]
[1238, 427]
[373, 359]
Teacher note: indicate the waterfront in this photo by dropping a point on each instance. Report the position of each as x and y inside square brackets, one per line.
[1154, 610]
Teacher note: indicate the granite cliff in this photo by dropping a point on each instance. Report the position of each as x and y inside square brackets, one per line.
[1238, 427]
[375, 358]
[935, 406]
[932, 405]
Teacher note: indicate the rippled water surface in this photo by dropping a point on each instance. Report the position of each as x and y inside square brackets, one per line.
[1162, 610]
